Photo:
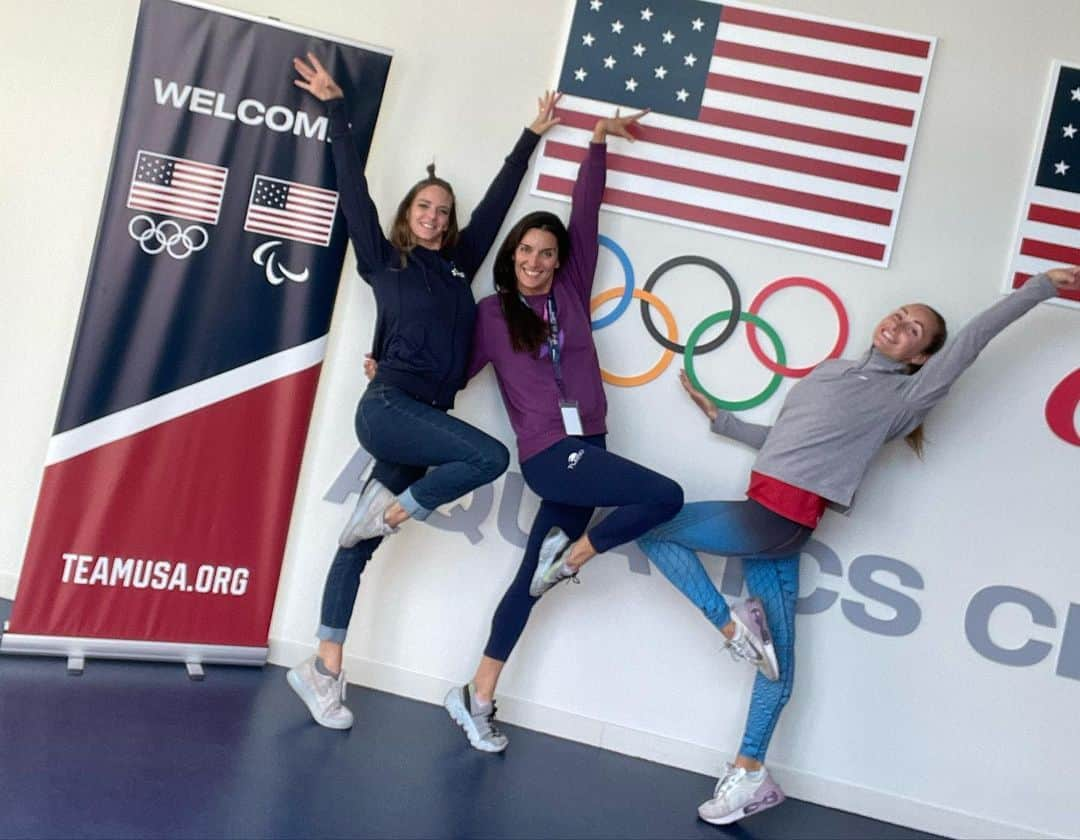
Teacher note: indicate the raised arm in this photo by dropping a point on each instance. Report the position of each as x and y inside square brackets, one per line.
[478, 236]
[933, 381]
[373, 250]
[723, 422]
[580, 268]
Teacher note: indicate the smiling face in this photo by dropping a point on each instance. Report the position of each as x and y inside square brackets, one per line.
[429, 216]
[535, 260]
[905, 334]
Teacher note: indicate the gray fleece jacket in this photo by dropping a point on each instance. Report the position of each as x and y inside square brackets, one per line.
[836, 419]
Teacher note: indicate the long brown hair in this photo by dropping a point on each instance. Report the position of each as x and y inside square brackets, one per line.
[400, 235]
[916, 437]
[527, 329]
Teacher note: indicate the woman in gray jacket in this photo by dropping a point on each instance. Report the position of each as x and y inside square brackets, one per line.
[831, 425]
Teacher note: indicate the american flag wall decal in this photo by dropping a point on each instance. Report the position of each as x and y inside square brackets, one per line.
[1048, 234]
[771, 125]
[290, 210]
[176, 186]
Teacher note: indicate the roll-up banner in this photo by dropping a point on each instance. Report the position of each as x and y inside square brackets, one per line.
[170, 476]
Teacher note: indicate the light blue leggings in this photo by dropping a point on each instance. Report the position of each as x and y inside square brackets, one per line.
[770, 546]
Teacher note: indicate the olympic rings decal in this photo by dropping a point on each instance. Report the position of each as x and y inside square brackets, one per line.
[153, 238]
[732, 316]
[628, 285]
[673, 333]
[786, 283]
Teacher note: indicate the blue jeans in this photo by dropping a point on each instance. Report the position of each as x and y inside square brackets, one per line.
[572, 478]
[396, 428]
[407, 438]
[770, 546]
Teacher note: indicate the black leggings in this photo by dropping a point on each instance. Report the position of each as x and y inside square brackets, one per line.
[573, 477]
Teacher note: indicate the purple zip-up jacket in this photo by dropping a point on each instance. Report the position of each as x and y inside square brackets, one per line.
[527, 380]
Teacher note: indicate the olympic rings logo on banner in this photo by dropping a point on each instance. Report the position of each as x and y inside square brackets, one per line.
[730, 317]
[168, 236]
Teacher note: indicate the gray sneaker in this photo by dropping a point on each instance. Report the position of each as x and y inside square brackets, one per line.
[367, 520]
[479, 725]
[739, 794]
[549, 565]
[324, 696]
[752, 641]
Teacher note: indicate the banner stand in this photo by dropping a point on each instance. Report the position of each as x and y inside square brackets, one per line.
[170, 477]
[77, 649]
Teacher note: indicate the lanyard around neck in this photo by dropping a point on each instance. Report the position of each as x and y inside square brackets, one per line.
[554, 351]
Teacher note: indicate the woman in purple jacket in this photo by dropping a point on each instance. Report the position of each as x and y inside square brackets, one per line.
[536, 333]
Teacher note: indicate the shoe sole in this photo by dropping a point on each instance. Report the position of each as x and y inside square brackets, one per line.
[769, 800]
[769, 667]
[304, 693]
[463, 719]
[538, 586]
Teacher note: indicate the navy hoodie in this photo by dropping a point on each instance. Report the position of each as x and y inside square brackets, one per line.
[425, 309]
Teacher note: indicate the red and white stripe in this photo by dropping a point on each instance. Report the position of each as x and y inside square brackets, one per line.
[1049, 237]
[191, 398]
[195, 193]
[804, 139]
[308, 215]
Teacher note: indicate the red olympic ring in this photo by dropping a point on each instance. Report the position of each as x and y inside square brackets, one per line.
[1061, 408]
[785, 283]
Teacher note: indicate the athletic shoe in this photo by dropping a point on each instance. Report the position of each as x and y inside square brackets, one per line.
[752, 641]
[323, 695]
[367, 520]
[549, 565]
[740, 793]
[479, 725]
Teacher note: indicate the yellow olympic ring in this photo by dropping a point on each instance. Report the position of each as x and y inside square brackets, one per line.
[672, 329]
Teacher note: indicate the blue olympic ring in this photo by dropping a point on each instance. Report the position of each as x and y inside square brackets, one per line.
[628, 290]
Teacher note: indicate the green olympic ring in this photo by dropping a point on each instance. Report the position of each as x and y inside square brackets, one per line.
[734, 405]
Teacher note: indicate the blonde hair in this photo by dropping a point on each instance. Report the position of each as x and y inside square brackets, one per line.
[916, 438]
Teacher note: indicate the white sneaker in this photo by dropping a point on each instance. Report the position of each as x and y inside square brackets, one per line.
[367, 520]
[324, 696]
[740, 793]
[752, 641]
[549, 564]
[479, 725]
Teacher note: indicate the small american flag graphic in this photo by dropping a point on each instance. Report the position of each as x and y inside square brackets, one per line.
[1049, 230]
[290, 210]
[176, 186]
[771, 125]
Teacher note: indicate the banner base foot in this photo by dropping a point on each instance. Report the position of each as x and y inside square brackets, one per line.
[78, 649]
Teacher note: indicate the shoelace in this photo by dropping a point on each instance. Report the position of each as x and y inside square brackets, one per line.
[742, 650]
[490, 718]
[730, 780]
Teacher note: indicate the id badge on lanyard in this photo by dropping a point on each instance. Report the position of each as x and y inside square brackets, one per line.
[568, 409]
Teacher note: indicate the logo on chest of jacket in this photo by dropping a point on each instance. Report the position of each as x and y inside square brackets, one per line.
[456, 272]
[573, 458]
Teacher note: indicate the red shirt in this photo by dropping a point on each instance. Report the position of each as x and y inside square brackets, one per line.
[789, 501]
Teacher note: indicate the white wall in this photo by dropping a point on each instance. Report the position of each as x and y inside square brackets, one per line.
[922, 728]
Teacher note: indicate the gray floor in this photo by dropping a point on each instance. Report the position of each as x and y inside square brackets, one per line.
[138, 750]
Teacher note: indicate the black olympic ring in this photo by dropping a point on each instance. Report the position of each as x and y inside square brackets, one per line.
[729, 281]
[154, 240]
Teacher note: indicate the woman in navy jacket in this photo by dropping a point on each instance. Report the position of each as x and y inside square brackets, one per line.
[421, 276]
